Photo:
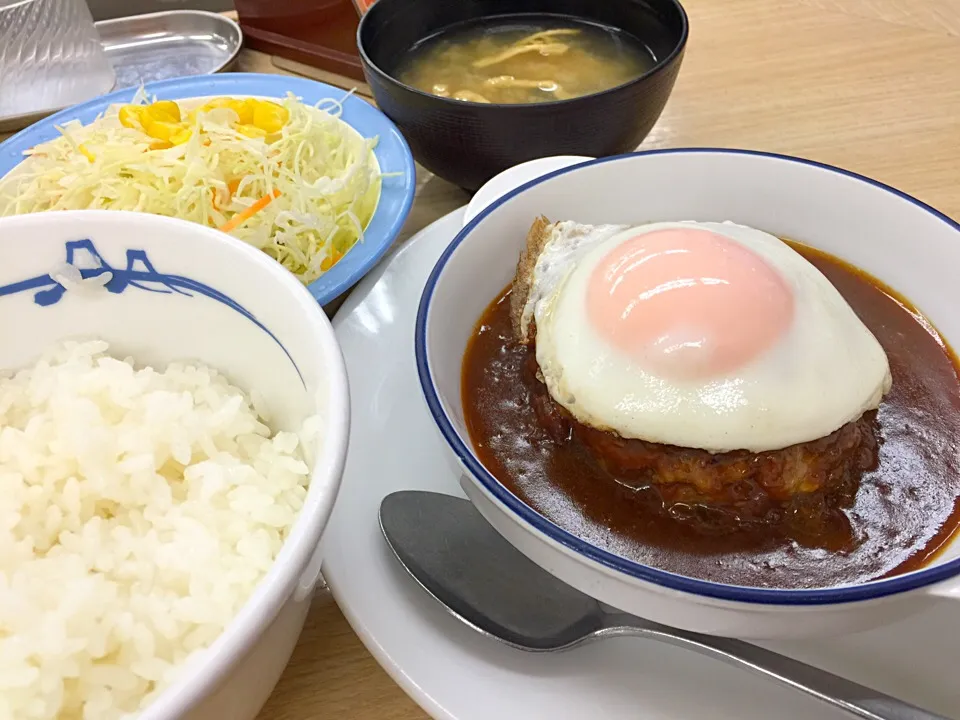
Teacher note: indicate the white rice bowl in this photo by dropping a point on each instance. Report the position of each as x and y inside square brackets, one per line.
[170, 450]
[139, 509]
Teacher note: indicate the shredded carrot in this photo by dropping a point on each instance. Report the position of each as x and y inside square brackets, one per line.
[241, 217]
[330, 260]
[226, 195]
[231, 190]
[85, 151]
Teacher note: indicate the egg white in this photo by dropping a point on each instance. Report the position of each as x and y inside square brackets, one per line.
[826, 370]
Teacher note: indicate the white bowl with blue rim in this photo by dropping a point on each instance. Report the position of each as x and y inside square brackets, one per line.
[391, 152]
[180, 291]
[911, 247]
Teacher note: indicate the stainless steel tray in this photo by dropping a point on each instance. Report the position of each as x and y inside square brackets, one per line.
[159, 46]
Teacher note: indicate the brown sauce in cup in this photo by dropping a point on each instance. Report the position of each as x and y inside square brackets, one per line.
[904, 512]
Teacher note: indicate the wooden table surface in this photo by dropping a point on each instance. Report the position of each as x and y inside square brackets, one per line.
[869, 85]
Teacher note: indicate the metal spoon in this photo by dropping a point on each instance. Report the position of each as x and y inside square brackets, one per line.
[457, 557]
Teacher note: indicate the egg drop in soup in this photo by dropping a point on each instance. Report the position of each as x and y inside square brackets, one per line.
[711, 400]
[516, 59]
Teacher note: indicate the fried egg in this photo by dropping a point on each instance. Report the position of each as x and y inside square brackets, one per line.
[705, 335]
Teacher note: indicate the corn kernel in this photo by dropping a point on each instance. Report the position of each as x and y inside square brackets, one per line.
[179, 138]
[244, 110]
[270, 117]
[161, 129]
[165, 110]
[220, 102]
[251, 131]
[131, 116]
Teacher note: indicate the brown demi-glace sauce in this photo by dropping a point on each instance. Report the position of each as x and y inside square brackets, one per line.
[904, 512]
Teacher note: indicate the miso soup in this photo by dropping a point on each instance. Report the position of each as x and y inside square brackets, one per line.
[524, 59]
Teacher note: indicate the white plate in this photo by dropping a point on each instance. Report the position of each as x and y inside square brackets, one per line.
[456, 674]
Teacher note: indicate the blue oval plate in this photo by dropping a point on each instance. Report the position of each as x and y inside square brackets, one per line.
[396, 195]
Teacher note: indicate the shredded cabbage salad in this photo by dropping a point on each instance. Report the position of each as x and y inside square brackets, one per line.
[303, 194]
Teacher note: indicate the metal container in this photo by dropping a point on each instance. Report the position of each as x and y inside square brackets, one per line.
[145, 48]
[50, 56]
[165, 45]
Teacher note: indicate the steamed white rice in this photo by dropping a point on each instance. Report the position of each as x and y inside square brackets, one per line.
[138, 511]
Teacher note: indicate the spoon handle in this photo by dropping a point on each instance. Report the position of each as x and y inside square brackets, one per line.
[856, 699]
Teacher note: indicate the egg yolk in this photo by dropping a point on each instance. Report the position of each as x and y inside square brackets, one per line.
[688, 303]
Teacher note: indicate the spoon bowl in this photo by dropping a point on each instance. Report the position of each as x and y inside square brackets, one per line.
[481, 579]
[472, 581]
